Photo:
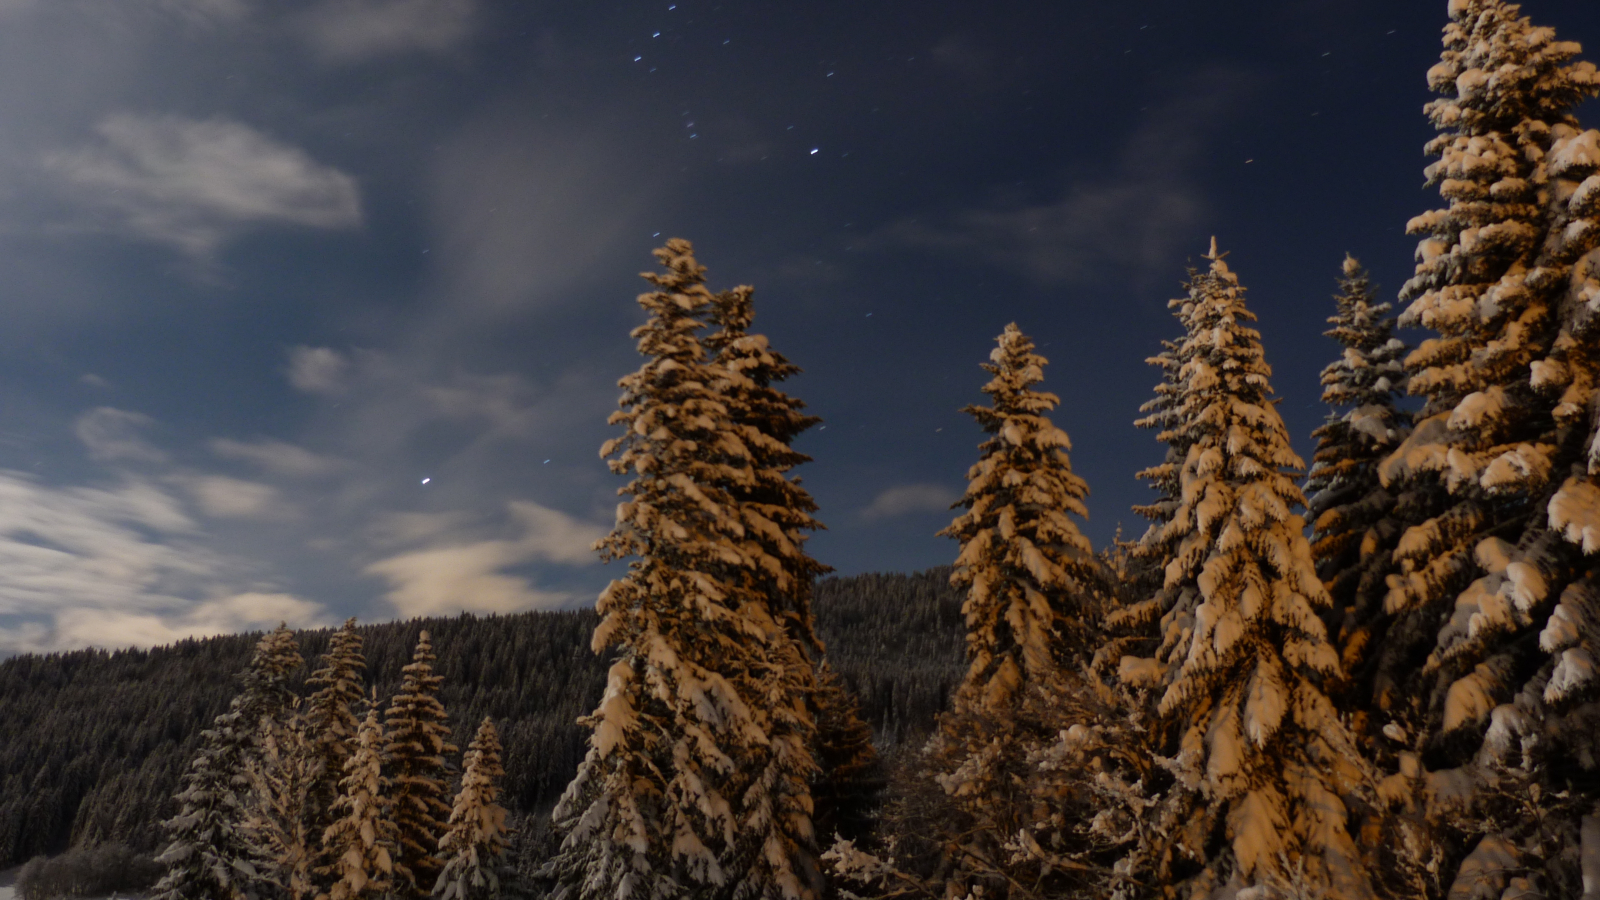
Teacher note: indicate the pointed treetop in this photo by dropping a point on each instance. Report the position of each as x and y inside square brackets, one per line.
[1218, 267]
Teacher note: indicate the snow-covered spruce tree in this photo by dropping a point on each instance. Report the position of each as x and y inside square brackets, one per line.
[1241, 652]
[1032, 585]
[205, 858]
[265, 690]
[1571, 377]
[1501, 276]
[1487, 445]
[475, 839]
[362, 844]
[418, 742]
[332, 722]
[1568, 684]
[1543, 743]
[210, 854]
[1028, 574]
[279, 826]
[1353, 530]
[680, 779]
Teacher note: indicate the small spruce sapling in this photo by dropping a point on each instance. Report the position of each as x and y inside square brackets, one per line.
[474, 841]
[362, 844]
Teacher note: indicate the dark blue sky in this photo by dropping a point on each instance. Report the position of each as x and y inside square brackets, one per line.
[267, 266]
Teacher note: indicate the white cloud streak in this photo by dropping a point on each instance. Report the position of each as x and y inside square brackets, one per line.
[196, 184]
[278, 458]
[451, 578]
[232, 498]
[318, 370]
[206, 12]
[117, 567]
[348, 31]
[232, 614]
[910, 498]
[114, 435]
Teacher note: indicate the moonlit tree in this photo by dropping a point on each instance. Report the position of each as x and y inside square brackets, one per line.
[1240, 652]
[695, 783]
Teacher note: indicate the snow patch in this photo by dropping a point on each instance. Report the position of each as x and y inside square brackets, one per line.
[1493, 554]
[1575, 670]
[1575, 512]
[1468, 700]
[1140, 672]
[1581, 151]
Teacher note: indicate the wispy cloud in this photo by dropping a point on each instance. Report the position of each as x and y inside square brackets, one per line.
[253, 610]
[206, 12]
[195, 184]
[233, 498]
[115, 435]
[278, 457]
[451, 577]
[382, 398]
[358, 30]
[910, 498]
[318, 370]
[118, 566]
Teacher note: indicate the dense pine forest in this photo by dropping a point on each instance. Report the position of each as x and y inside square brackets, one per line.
[96, 741]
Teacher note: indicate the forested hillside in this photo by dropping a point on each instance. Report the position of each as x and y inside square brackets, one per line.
[92, 743]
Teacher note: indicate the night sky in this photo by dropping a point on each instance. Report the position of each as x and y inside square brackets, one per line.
[316, 309]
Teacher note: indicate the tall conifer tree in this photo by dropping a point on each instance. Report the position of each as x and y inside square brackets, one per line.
[331, 719]
[211, 854]
[279, 825]
[1030, 580]
[1241, 650]
[1353, 527]
[693, 762]
[1487, 446]
[851, 775]
[776, 513]
[205, 858]
[418, 741]
[1569, 683]
[1027, 572]
[1489, 667]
